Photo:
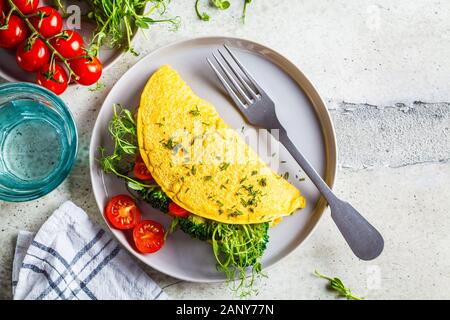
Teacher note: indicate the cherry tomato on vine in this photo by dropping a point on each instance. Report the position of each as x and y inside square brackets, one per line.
[140, 169]
[32, 54]
[13, 34]
[53, 77]
[26, 6]
[178, 211]
[47, 21]
[89, 70]
[122, 212]
[148, 236]
[69, 44]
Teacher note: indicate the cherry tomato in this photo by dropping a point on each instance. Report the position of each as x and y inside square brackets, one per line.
[140, 169]
[53, 77]
[32, 54]
[178, 211]
[148, 236]
[47, 21]
[89, 70]
[122, 212]
[15, 33]
[69, 44]
[26, 6]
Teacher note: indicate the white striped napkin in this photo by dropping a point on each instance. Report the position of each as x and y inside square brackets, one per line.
[71, 258]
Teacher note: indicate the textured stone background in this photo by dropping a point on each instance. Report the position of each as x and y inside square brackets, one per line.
[383, 69]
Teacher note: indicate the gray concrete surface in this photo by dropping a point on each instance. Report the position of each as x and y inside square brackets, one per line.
[373, 62]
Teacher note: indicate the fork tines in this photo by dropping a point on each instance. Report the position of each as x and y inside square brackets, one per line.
[239, 83]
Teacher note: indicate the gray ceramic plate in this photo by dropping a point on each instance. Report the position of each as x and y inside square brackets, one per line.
[299, 108]
[10, 71]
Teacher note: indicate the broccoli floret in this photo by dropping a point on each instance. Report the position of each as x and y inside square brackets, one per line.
[156, 198]
[197, 227]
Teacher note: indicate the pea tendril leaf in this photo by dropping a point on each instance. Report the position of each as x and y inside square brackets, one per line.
[117, 20]
[123, 131]
[337, 285]
[244, 12]
[220, 4]
[201, 15]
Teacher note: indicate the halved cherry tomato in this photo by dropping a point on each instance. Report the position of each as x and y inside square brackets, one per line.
[140, 169]
[148, 236]
[32, 54]
[69, 44]
[89, 70]
[122, 212]
[26, 6]
[53, 77]
[178, 211]
[15, 33]
[47, 21]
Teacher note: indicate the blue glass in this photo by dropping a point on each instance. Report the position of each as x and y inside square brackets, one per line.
[38, 141]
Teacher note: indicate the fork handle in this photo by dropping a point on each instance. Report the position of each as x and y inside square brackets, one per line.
[307, 167]
[364, 240]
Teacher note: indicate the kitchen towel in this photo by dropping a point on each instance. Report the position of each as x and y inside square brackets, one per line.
[71, 258]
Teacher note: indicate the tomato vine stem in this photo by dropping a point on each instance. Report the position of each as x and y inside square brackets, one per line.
[46, 41]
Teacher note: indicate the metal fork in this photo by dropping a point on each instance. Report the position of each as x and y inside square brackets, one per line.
[259, 110]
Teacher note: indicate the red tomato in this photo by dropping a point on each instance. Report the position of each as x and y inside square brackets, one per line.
[26, 6]
[89, 70]
[148, 236]
[14, 34]
[53, 77]
[178, 211]
[140, 169]
[32, 54]
[47, 21]
[122, 212]
[69, 44]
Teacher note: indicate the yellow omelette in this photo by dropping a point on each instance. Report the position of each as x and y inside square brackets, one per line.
[201, 163]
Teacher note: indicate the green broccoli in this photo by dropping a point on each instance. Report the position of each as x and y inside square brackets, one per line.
[197, 227]
[156, 198]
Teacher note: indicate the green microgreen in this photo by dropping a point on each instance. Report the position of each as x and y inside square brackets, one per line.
[116, 21]
[122, 128]
[337, 285]
[220, 4]
[201, 15]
